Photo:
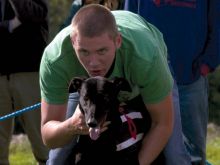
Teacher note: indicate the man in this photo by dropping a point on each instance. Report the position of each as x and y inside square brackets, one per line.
[192, 33]
[101, 43]
[60, 155]
[23, 37]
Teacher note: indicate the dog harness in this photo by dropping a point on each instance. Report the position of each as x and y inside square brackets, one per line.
[130, 123]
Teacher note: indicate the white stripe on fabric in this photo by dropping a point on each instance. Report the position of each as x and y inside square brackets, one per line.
[132, 115]
[129, 142]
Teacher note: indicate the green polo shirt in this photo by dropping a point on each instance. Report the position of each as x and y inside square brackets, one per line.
[142, 60]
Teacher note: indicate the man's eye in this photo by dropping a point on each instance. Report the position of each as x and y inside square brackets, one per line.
[102, 51]
[83, 53]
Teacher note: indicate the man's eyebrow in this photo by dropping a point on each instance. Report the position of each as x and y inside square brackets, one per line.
[99, 49]
[82, 49]
[103, 48]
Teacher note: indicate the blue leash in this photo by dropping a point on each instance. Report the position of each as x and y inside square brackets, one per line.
[16, 113]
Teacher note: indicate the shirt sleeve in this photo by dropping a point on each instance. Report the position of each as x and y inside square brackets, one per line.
[154, 79]
[53, 84]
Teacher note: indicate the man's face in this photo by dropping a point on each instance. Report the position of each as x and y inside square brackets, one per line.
[96, 54]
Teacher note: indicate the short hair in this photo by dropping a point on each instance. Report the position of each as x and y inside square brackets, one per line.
[94, 20]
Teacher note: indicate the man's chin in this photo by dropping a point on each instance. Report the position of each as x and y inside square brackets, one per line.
[94, 74]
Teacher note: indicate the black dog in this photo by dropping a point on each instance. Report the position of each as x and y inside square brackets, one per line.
[98, 97]
[99, 103]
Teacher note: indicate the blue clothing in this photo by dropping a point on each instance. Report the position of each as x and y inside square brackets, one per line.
[192, 40]
[175, 144]
[194, 114]
[192, 33]
[62, 156]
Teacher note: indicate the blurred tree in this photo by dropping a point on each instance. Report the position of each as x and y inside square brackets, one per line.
[58, 11]
[214, 97]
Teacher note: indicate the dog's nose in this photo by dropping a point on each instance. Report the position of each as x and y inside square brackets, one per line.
[92, 124]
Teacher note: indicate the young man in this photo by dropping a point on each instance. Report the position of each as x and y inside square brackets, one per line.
[104, 43]
[192, 33]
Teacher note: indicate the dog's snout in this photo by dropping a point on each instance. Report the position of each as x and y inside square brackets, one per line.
[92, 124]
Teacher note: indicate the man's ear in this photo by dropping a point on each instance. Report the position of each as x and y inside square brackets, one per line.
[121, 84]
[75, 84]
[118, 40]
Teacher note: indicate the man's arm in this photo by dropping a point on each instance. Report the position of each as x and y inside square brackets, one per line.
[55, 130]
[160, 131]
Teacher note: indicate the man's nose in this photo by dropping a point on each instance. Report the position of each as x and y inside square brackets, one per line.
[93, 61]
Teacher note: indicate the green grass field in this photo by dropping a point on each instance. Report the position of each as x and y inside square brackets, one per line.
[21, 154]
[213, 151]
[213, 144]
[20, 151]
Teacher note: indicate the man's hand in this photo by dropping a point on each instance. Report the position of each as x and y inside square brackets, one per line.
[80, 125]
[204, 69]
[78, 121]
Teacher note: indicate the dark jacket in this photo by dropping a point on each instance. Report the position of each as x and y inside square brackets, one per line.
[191, 30]
[21, 50]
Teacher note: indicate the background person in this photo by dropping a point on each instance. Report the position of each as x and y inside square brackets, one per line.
[192, 33]
[24, 32]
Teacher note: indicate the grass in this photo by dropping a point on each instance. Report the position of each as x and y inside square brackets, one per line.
[20, 151]
[213, 151]
[21, 154]
[213, 144]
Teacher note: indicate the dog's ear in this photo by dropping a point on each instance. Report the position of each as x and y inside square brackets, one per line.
[75, 84]
[121, 84]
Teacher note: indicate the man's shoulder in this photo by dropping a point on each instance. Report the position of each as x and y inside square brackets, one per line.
[129, 22]
[59, 46]
[125, 15]
[62, 35]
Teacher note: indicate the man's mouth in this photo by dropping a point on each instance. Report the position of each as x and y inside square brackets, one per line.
[96, 73]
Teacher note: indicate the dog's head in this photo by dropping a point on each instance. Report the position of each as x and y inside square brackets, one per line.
[98, 96]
